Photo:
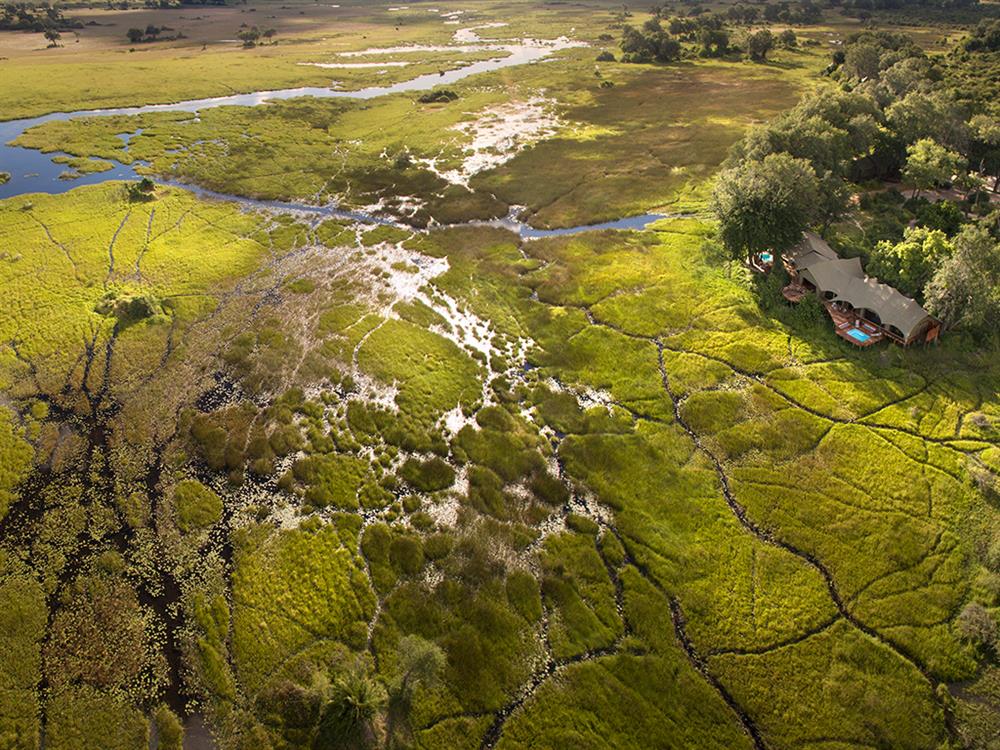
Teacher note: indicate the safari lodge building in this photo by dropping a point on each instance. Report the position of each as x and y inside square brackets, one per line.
[864, 310]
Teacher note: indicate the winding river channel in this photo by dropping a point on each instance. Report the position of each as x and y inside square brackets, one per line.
[32, 171]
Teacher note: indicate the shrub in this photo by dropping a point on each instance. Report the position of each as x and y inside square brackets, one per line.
[428, 476]
[406, 555]
[943, 215]
[582, 524]
[549, 489]
[141, 191]
[169, 730]
[605, 56]
[524, 595]
[129, 308]
[356, 699]
[438, 96]
[977, 625]
[195, 505]
[437, 546]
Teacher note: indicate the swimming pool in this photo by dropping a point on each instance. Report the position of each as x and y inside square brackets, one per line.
[858, 335]
[766, 257]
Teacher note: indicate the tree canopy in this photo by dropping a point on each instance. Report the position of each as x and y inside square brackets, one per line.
[965, 290]
[928, 164]
[910, 264]
[650, 44]
[758, 44]
[764, 205]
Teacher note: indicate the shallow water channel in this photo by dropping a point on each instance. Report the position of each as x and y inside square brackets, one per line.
[32, 171]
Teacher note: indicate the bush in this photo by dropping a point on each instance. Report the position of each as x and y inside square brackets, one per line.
[549, 489]
[582, 524]
[428, 476]
[129, 308]
[141, 191]
[605, 56]
[439, 96]
[977, 625]
[169, 730]
[943, 215]
[195, 505]
[437, 546]
[406, 555]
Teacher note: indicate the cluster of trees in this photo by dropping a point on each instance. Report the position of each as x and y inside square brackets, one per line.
[708, 31]
[984, 38]
[653, 43]
[150, 34]
[933, 131]
[892, 116]
[251, 35]
[35, 18]
[649, 44]
[876, 5]
[802, 13]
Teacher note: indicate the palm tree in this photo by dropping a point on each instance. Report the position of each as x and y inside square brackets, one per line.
[355, 699]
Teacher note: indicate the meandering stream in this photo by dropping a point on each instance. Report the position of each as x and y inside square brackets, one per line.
[32, 171]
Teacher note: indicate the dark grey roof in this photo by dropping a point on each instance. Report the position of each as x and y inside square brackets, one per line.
[846, 279]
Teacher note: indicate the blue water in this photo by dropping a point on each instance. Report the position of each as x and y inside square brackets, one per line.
[858, 335]
[34, 172]
[526, 231]
[766, 257]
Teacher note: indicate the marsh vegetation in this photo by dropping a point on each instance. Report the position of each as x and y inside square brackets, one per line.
[272, 477]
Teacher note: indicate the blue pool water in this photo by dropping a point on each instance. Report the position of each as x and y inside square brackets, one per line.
[766, 257]
[858, 335]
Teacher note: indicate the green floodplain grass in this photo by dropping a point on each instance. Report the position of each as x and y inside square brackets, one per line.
[647, 143]
[907, 580]
[292, 592]
[166, 73]
[201, 67]
[62, 267]
[861, 460]
[808, 441]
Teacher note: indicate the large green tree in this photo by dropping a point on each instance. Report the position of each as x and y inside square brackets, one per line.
[965, 290]
[764, 205]
[861, 60]
[910, 264]
[928, 163]
[758, 44]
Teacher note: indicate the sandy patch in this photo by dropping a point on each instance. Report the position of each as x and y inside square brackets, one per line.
[497, 135]
[358, 65]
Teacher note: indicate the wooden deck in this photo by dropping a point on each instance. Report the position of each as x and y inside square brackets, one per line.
[795, 292]
[845, 321]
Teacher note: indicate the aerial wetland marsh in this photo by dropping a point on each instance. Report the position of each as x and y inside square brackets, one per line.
[458, 375]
